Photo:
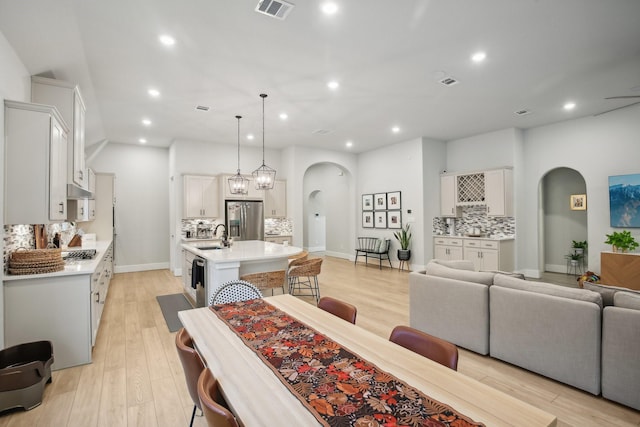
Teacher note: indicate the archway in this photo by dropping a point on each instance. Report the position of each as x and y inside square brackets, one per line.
[560, 222]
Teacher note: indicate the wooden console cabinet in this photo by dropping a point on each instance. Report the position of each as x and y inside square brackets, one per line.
[620, 269]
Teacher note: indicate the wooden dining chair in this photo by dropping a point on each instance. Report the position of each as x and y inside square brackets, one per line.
[267, 280]
[191, 365]
[431, 347]
[342, 309]
[212, 402]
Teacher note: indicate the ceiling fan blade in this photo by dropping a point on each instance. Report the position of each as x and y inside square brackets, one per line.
[623, 97]
[614, 109]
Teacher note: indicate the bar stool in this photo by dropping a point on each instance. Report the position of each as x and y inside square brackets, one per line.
[304, 276]
[267, 280]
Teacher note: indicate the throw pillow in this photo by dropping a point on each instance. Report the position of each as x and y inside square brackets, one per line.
[382, 245]
[627, 300]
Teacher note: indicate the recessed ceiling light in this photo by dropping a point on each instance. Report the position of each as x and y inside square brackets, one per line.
[284, 116]
[478, 57]
[167, 40]
[154, 92]
[250, 137]
[395, 129]
[349, 144]
[329, 8]
[569, 106]
[142, 141]
[333, 85]
[146, 122]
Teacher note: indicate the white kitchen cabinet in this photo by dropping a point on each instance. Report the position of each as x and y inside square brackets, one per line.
[201, 197]
[35, 164]
[187, 274]
[67, 99]
[449, 248]
[81, 210]
[91, 180]
[252, 193]
[448, 206]
[275, 200]
[489, 255]
[279, 239]
[499, 192]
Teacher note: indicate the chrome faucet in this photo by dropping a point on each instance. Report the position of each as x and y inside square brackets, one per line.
[225, 242]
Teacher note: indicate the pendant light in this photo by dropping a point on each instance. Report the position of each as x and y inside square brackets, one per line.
[237, 183]
[264, 176]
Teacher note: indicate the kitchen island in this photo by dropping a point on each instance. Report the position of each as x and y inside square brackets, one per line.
[243, 257]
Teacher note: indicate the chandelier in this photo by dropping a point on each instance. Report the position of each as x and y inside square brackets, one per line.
[237, 183]
[264, 176]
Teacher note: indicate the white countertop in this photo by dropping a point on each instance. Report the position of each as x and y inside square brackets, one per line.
[246, 250]
[75, 267]
[475, 237]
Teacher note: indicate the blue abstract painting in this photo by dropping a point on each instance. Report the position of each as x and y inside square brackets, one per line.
[624, 200]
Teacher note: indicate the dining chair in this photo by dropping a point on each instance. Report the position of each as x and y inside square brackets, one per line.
[434, 348]
[191, 365]
[267, 280]
[304, 276]
[234, 291]
[342, 309]
[212, 402]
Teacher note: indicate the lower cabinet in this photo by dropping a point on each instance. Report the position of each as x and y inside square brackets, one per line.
[449, 248]
[488, 255]
[187, 274]
[279, 239]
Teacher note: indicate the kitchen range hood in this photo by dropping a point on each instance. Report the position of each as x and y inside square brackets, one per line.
[76, 193]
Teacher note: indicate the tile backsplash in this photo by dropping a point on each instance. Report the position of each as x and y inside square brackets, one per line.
[476, 216]
[18, 236]
[271, 225]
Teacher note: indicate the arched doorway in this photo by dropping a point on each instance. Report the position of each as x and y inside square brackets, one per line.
[560, 225]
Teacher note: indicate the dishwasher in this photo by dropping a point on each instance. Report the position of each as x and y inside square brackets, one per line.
[199, 281]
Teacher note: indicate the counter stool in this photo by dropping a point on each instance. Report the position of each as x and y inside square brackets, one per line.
[267, 280]
[304, 276]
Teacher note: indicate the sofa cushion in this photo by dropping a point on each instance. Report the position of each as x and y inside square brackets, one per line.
[548, 289]
[606, 291]
[460, 264]
[483, 278]
[624, 299]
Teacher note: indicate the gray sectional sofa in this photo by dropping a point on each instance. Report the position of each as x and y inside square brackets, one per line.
[567, 334]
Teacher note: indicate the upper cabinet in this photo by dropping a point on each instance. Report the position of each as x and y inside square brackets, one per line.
[492, 188]
[275, 200]
[67, 99]
[35, 164]
[201, 197]
[252, 193]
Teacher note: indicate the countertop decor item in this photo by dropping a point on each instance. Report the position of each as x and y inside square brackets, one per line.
[35, 261]
[237, 183]
[621, 241]
[264, 176]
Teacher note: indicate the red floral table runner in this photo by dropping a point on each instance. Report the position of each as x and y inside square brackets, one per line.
[337, 386]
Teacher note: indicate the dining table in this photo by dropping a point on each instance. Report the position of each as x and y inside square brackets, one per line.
[258, 396]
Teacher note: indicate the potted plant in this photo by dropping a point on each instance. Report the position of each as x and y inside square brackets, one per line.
[621, 241]
[404, 238]
[579, 247]
[574, 258]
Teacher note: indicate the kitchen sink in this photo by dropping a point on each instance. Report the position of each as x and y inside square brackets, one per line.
[208, 248]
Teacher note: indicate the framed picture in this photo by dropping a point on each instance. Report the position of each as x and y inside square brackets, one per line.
[578, 202]
[381, 219]
[394, 219]
[393, 200]
[367, 219]
[624, 199]
[367, 202]
[380, 201]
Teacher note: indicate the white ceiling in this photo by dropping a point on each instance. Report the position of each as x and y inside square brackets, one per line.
[386, 55]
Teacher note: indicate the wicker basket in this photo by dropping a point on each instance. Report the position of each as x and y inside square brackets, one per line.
[35, 261]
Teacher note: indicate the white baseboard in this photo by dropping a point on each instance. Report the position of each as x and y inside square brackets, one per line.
[339, 255]
[534, 274]
[316, 249]
[555, 268]
[141, 267]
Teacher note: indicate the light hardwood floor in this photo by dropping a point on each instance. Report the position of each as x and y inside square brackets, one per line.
[136, 378]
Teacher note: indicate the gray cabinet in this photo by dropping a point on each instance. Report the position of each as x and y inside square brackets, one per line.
[35, 164]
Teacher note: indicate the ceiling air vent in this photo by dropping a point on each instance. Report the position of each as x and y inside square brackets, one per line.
[201, 108]
[274, 8]
[522, 112]
[449, 81]
[321, 132]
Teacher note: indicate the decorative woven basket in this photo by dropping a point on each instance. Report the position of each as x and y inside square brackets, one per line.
[35, 261]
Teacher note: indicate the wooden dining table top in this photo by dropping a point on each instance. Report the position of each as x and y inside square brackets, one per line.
[259, 398]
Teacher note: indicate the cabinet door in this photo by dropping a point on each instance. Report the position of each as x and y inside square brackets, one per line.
[57, 173]
[499, 192]
[448, 196]
[490, 260]
[275, 201]
[192, 197]
[440, 252]
[79, 172]
[475, 256]
[209, 185]
[91, 209]
[455, 253]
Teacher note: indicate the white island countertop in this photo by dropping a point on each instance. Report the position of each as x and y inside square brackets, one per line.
[71, 267]
[242, 251]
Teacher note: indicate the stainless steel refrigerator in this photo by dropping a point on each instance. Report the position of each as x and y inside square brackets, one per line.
[245, 219]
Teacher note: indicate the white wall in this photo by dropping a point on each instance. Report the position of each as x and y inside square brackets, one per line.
[15, 84]
[434, 160]
[396, 167]
[142, 204]
[486, 151]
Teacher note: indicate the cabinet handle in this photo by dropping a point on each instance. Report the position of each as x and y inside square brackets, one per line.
[61, 207]
[97, 296]
[81, 174]
[452, 210]
[82, 210]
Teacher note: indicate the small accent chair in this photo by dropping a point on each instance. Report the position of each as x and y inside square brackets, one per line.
[267, 280]
[212, 402]
[191, 365]
[342, 309]
[234, 291]
[431, 347]
[304, 276]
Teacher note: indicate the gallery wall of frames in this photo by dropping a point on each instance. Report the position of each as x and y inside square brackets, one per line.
[382, 210]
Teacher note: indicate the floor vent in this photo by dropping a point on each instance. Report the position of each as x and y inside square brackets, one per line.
[522, 112]
[274, 8]
[202, 108]
[449, 81]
